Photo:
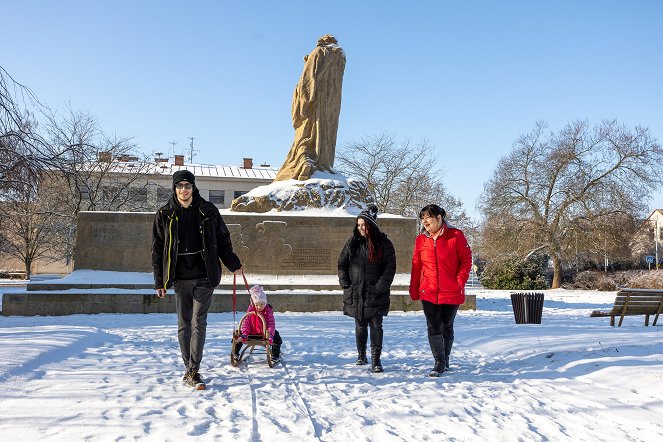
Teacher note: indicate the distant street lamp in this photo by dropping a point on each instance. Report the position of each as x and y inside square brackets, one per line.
[657, 238]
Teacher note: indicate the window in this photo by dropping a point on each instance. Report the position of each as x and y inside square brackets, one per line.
[217, 197]
[239, 193]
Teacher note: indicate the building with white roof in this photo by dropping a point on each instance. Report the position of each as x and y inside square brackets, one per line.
[216, 183]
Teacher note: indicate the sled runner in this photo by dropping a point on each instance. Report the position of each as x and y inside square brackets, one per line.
[249, 343]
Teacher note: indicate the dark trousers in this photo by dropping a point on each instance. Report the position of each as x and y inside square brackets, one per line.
[440, 319]
[192, 300]
[361, 332]
[440, 323]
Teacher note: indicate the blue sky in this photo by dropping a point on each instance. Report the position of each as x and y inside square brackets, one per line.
[468, 76]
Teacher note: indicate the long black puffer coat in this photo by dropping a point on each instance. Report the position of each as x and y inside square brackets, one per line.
[366, 284]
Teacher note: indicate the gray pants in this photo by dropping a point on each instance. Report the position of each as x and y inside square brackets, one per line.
[192, 300]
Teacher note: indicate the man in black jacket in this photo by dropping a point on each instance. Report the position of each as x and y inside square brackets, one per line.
[188, 239]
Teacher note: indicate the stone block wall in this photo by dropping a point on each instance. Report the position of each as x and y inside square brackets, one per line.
[293, 243]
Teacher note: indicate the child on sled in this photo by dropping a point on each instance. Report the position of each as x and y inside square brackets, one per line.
[252, 325]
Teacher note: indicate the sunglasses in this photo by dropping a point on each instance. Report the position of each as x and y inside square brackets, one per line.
[187, 186]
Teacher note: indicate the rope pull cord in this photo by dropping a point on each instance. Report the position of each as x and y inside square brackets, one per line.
[246, 284]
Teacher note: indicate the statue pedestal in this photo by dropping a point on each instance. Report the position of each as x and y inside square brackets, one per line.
[278, 243]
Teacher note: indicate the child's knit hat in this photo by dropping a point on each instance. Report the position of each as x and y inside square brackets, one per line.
[258, 295]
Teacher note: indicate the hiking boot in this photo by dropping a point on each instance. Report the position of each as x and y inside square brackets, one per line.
[194, 380]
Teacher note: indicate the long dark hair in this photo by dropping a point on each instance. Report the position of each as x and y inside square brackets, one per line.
[374, 239]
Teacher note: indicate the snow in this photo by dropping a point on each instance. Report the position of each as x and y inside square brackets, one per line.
[114, 377]
[287, 196]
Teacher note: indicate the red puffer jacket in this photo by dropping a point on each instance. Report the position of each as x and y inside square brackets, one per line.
[440, 267]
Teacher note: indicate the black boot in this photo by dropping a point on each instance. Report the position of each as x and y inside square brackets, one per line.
[276, 352]
[236, 348]
[448, 343]
[361, 356]
[361, 338]
[437, 347]
[376, 365]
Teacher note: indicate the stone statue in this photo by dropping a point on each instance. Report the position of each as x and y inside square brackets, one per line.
[316, 105]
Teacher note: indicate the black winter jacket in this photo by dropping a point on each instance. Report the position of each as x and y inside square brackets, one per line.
[366, 285]
[215, 240]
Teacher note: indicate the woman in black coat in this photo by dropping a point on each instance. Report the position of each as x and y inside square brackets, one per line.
[366, 269]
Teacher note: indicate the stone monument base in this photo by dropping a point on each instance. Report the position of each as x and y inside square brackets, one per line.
[274, 243]
[70, 302]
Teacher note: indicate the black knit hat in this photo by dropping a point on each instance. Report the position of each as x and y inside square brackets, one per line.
[183, 175]
[370, 215]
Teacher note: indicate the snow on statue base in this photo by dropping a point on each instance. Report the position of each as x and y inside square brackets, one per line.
[322, 191]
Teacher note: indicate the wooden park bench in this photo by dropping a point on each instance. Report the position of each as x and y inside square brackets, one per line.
[631, 302]
[17, 275]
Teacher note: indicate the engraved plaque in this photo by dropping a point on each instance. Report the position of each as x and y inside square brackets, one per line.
[308, 259]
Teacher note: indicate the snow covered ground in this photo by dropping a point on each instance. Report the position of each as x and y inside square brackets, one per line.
[117, 377]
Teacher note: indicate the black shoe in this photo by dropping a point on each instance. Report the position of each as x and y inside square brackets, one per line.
[437, 370]
[361, 360]
[194, 380]
[377, 369]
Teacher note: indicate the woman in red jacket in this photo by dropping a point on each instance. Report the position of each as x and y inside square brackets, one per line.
[440, 267]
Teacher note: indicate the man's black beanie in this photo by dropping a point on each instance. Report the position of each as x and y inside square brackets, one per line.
[183, 175]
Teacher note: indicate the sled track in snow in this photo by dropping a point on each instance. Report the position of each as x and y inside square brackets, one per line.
[292, 385]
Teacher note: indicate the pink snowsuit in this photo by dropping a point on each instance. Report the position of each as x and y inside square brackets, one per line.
[252, 325]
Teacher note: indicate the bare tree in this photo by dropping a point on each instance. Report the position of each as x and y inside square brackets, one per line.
[29, 229]
[95, 172]
[48, 176]
[21, 146]
[403, 178]
[581, 183]
[24, 159]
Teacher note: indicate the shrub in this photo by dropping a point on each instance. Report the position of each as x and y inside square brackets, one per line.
[593, 280]
[609, 281]
[515, 274]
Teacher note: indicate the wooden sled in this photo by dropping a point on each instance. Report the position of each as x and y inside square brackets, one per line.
[252, 341]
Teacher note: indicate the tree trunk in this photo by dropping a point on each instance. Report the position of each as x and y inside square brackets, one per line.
[28, 267]
[557, 271]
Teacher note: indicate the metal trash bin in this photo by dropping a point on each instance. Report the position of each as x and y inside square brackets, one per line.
[527, 307]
